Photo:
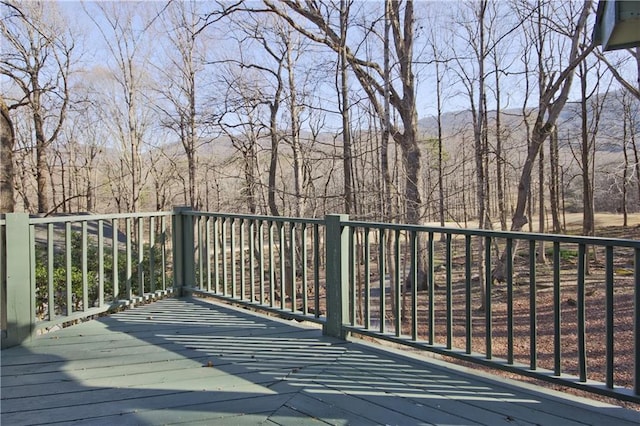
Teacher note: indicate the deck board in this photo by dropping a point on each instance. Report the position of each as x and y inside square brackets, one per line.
[191, 361]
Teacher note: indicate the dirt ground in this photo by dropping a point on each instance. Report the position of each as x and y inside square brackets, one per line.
[607, 225]
[573, 223]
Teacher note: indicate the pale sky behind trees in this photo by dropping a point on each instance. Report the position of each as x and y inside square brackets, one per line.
[437, 14]
[128, 74]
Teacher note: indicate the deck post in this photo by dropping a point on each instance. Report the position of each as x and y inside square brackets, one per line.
[337, 246]
[183, 250]
[20, 318]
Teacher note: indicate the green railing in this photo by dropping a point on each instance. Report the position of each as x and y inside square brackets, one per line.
[271, 263]
[571, 318]
[64, 269]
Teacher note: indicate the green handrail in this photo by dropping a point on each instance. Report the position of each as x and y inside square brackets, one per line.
[353, 277]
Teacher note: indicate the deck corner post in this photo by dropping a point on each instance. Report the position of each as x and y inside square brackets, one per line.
[337, 258]
[18, 315]
[183, 250]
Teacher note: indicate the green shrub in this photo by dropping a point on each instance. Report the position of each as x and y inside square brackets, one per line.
[566, 254]
[59, 275]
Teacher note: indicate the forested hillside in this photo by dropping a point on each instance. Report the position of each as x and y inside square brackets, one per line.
[490, 112]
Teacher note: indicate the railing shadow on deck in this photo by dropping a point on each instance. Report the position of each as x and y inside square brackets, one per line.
[236, 366]
[386, 281]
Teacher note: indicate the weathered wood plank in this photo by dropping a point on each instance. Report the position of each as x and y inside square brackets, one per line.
[307, 405]
[115, 353]
[165, 408]
[428, 394]
[513, 400]
[286, 416]
[187, 361]
[72, 400]
[188, 340]
[79, 340]
[250, 409]
[371, 412]
[187, 380]
[213, 419]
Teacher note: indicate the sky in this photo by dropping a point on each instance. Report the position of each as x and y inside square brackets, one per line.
[430, 14]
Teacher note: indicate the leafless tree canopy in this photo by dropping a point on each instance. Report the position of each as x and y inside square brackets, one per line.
[476, 113]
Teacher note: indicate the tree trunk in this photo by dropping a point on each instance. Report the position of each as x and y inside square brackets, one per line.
[134, 152]
[636, 159]
[638, 67]
[273, 162]
[191, 133]
[193, 198]
[481, 154]
[388, 210]
[7, 140]
[502, 211]
[50, 169]
[541, 211]
[42, 181]
[344, 108]
[89, 191]
[249, 181]
[588, 221]
[539, 134]
[296, 148]
[625, 169]
[7, 204]
[440, 153]
[554, 181]
[553, 97]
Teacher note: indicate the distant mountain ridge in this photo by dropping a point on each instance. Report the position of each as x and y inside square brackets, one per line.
[458, 124]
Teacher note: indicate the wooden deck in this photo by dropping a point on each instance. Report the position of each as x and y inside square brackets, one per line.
[195, 362]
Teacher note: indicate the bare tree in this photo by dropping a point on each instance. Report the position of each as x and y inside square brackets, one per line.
[243, 124]
[177, 84]
[124, 29]
[23, 161]
[371, 76]
[265, 98]
[182, 79]
[293, 49]
[343, 93]
[7, 138]
[591, 108]
[615, 67]
[252, 85]
[440, 61]
[375, 79]
[628, 138]
[554, 181]
[473, 77]
[554, 80]
[38, 60]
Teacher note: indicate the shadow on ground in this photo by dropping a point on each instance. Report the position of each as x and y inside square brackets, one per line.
[193, 362]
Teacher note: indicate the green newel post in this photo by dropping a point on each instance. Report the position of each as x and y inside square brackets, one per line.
[189, 252]
[183, 250]
[337, 246]
[18, 308]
